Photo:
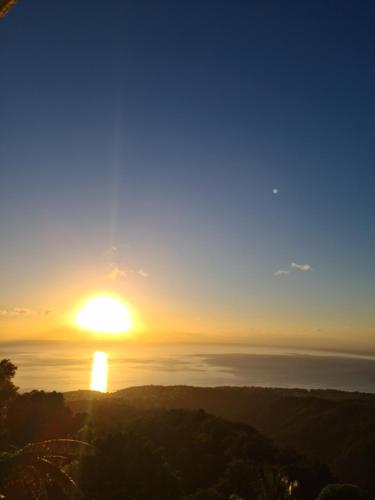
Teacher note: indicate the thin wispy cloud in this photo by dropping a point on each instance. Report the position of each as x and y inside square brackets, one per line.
[143, 273]
[293, 266]
[17, 312]
[117, 273]
[282, 272]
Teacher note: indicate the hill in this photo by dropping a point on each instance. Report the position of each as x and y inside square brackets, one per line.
[187, 455]
[337, 428]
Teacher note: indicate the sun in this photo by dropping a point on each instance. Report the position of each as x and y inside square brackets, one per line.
[105, 314]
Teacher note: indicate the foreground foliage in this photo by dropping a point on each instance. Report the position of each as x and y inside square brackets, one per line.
[36, 471]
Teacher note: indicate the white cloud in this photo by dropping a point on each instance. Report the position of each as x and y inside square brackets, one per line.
[292, 266]
[281, 272]
[301, 267]
[17, 312]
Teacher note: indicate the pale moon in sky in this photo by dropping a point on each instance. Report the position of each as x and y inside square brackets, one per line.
[275, 190]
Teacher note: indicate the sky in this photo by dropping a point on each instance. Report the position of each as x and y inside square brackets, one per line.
[210, 162]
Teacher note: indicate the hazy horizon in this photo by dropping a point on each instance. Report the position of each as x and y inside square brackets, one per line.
[67, 366]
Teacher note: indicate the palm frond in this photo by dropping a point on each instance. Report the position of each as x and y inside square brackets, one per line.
[5, 6]
[30, 472]
[65, 448]
[58, 476]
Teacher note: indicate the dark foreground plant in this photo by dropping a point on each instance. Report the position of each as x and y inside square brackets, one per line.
[36, 471]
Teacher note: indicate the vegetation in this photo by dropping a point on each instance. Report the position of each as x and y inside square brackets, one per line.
[340, 492]
[104, 448]
[37, 470]
[5, 6]
[333, 427]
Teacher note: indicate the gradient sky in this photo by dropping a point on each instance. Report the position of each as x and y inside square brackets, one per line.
[210, 161]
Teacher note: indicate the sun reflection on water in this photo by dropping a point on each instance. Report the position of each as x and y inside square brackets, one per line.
[99, 372]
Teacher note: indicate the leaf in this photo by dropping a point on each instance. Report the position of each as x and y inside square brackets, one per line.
[59, 448]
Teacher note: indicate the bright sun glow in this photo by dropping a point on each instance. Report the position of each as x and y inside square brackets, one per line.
[104, 314]
[99, 372]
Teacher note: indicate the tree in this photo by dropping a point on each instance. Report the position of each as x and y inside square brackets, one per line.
[340, 492]
[240, 480]
[274, 485]
[126, 467]
[7, 392]
[36, 472]
[38, 416]
[7, 372]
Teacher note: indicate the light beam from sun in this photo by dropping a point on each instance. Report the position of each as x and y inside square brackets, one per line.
[99, 372]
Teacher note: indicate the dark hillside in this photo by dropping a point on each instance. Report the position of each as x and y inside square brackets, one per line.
[337, 428]
[187, 455]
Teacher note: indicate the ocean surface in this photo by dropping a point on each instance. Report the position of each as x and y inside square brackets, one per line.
[67, 366]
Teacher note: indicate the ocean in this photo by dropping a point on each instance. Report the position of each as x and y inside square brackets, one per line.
[67, 366]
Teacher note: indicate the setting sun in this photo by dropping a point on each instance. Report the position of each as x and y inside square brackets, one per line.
[105, 314]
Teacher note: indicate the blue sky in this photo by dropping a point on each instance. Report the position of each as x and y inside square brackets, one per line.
[161, 129]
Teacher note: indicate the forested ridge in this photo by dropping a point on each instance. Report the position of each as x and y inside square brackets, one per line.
[158, 443]
[334, 427]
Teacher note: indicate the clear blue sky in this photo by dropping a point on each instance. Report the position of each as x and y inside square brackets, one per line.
[162, 129]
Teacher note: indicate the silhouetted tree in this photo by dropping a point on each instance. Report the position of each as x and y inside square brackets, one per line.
[273, 485]
[340, 492]
[311, 477]
[39, 415]
[7, 372]
[7, 392]
[126, 468]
